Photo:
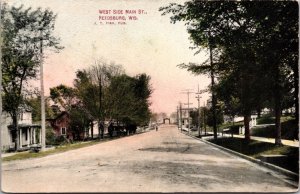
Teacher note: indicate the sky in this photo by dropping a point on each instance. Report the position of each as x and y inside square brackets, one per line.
[150, 44]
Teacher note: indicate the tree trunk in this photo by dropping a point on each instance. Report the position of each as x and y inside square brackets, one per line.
[258, 110]
[247, 118]
[92, 129]
[204, 121]
[277, 119]
[16, 128]
[214, 101]
[99, 130]
[277, 106]
[296, 93]
[278, 125]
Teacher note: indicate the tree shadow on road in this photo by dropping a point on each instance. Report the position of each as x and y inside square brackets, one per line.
[205, 174]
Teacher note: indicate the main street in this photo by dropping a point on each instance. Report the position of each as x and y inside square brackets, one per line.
[155, 161]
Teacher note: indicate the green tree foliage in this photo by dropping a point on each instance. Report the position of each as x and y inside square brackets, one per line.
[64, 96]
[79, 121]
[104, 92]
[256, 50]
[128, 99]
[219, 117]
[68, 99]
[91, 85]
[35, 104]
[195, 115]
[154, 117]
[22, 33]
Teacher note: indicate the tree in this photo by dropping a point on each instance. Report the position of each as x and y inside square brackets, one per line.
[87, 93]
[91, 85]
[249, 38]
[194, 114]
[68, 99]
[210, 117]
[64, 96]
[35, 104]
[23, 29]
[174, 116]
[128, 99]
[79, 121]
[199, 17]
[278, 33]
[154, 117]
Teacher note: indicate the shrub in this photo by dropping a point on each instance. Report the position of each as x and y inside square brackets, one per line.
[50, 136]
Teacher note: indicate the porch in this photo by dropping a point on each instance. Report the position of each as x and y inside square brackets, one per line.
[29, 135]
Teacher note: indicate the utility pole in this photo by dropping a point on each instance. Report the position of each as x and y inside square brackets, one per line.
[177, 109]
[204, 122]
[43, 117]
[188, 92]
[199, 112]
[1, 42]
[180, 115]
[198, 99]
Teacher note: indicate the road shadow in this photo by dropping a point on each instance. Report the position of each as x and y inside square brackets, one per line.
[184, 148]
[206, 175]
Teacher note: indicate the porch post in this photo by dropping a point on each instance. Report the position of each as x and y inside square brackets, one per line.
[28, 136]
[34, 142]
[40, 137]
[20, 137]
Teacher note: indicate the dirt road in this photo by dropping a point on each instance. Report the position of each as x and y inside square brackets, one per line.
[156, 161]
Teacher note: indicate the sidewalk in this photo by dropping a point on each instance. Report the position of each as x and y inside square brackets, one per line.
[3, 155]
[272, 140]
[263, 139]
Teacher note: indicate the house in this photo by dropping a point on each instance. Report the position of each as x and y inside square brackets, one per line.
[61, 125]
[29, 134]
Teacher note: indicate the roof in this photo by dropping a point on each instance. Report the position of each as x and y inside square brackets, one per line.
[25, 107]
[58, 116]
[25, 126]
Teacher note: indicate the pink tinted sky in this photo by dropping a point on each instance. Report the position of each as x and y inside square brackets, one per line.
[150, 45]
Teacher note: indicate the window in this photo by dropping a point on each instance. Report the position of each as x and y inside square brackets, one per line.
[21, 116]
[63, 131]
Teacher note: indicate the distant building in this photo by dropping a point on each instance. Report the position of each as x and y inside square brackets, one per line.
[29, 134]
[185, 118]
[61, 125]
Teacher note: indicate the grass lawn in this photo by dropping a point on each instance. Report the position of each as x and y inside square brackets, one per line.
[257, 148]
[288, 129]
[58, 149]
[271, 120]
[228, 125]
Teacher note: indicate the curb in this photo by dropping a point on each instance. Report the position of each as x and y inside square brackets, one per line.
[251, 159]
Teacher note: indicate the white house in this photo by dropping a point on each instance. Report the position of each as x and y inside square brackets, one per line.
[29, 134]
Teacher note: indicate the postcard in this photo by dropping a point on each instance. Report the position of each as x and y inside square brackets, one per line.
[149, 96]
